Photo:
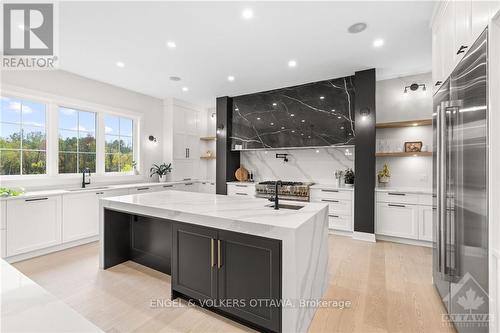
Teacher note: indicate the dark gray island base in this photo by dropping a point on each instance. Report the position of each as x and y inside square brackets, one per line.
[234, 274]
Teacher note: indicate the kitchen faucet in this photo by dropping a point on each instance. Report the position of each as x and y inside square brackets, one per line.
[85, 181]
[276, 200]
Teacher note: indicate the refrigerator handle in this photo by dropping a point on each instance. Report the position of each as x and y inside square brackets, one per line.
[441, 153]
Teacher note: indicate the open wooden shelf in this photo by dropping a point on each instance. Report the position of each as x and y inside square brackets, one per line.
[403, 154]
[409, 123]
[207, 157]
[208, 138]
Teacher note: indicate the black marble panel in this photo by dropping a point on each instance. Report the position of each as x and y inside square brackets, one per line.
[310, 115]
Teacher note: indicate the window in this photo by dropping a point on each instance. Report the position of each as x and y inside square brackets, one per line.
[77, 140]
[22, 137]
[119, 144]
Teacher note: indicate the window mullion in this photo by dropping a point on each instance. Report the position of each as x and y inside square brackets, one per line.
[100, 139]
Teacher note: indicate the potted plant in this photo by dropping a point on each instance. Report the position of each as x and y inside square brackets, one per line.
[384, 175]
[349, 177]
[161, 170]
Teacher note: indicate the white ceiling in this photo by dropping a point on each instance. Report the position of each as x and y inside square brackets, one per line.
[214, 41]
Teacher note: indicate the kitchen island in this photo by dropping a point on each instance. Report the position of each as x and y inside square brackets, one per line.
[237, 256]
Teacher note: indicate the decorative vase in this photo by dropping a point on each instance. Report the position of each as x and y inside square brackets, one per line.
[162, 178]
[383, 179]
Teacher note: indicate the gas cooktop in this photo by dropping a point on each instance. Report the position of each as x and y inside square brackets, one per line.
[298, 191]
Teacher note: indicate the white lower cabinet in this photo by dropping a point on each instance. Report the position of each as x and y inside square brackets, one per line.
[144, 189]
[241, 189]
[33, 224]
[80, 215]
[397, 220]
[188, 187]
[425, 226]
[340, 204]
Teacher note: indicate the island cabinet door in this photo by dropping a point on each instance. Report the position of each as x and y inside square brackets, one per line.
[194, 270]
[249, 278]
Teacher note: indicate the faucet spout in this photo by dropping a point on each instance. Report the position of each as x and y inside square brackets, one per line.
[276, 196]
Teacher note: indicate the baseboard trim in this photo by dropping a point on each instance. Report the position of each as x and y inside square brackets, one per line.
[47, 250]
[406, 241]
[340, 232]
[364, 236]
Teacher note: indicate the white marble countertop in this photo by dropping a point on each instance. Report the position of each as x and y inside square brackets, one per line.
[27, 307]
[220, 211]
[413, 190]
[95, 187]
[326, 186]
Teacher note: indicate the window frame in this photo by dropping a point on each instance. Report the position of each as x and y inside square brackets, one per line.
[53, 102]
[47, 111]
[134, 143]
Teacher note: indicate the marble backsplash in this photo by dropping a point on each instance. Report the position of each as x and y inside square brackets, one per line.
[307, 165]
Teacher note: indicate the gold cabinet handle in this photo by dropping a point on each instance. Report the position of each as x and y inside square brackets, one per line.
[212, 254]
[219, 260]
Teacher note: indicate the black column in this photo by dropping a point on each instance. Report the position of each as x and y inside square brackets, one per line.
[227, 161]
[365, 117]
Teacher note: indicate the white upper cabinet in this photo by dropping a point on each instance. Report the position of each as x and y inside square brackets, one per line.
[456, 25]
[463, 30]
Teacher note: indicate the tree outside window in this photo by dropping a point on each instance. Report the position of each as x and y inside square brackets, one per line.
[119, 152]
[77, 140]
[22, 137]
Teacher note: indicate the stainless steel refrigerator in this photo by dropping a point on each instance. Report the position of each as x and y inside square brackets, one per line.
[460, 191]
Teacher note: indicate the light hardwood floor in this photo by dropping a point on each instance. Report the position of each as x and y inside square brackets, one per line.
[388, 284]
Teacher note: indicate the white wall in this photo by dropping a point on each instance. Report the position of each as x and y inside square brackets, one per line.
[71, 86]
[394, 105]
[307, 165]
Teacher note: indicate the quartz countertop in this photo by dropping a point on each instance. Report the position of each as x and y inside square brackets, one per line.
[92, 187]
[27, 307]
[213, 209]
[326, 186]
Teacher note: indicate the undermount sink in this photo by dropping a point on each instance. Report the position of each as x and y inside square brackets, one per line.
[287, 206]
[87, 189]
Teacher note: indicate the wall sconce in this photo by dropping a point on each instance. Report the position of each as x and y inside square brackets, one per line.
[414, 87]
[220, 128]
[212, 115]
[152, 139]
[364, 112]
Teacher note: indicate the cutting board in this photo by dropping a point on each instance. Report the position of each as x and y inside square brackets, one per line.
[241, 174]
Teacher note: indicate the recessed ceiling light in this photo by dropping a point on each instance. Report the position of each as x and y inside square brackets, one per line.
[230, 78]
[356, 28]
[321, 97]
[120, 64]
[378, 42]
[171, 44]
[292, 63]
[174, 78]
[185, 89]
[247, 14]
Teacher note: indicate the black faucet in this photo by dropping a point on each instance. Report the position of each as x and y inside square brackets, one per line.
[276, 197]
[85, 182]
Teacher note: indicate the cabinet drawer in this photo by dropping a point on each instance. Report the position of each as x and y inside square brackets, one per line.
[338, 207]
[318, 194]
[340, 222]
[397, 197]
[425, 199]
[398, 220]
[236, 189]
